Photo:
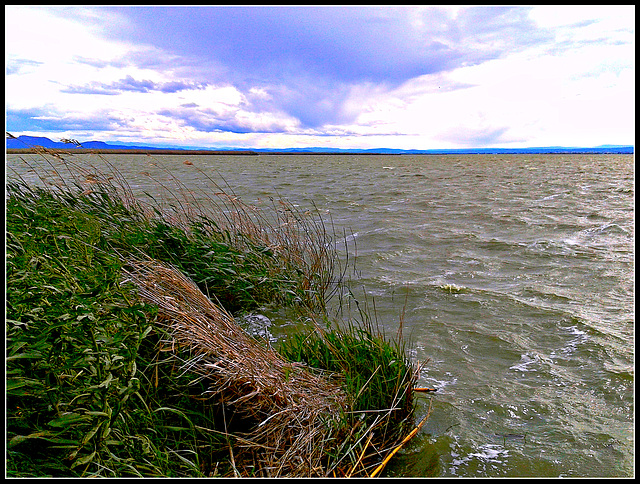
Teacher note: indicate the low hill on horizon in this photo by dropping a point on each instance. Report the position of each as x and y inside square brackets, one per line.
[26, 142]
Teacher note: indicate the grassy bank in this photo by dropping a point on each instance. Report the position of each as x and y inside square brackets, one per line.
[124, 358]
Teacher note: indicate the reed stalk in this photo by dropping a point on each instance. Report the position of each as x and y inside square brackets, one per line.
[123, 356]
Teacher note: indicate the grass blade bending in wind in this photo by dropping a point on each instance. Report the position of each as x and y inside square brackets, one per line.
[118, 364]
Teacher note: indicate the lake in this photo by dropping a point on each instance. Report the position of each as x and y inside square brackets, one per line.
[513, 275]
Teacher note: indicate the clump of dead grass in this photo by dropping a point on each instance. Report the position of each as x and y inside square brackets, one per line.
[288, 409]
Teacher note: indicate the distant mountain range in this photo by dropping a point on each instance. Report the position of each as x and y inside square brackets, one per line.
[22, 142]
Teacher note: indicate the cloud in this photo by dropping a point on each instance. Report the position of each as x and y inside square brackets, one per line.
[177, 86]
[477, 137]
[21, 66]
[19, 120]
[269, 75]
[129, 84]
[308, 59]
[48, 119]
[229, 119]
[100, 63]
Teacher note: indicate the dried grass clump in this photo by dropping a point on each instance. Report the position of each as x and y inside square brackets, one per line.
[288, 408]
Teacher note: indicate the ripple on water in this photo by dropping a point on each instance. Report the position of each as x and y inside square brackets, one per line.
[519, 280]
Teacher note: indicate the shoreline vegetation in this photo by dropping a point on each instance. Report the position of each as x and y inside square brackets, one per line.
[125, 356]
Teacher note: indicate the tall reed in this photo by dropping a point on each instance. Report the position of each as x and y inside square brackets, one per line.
[123, 358]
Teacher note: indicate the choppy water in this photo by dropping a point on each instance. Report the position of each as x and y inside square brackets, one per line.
[515, 274]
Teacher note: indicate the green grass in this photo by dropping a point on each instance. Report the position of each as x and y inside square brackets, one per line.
[377, 377]
[240, 279]
[79, 397]
[91, 387]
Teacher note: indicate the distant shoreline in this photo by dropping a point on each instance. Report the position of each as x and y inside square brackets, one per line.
[115, 151]
[31, 144]
[160, 151]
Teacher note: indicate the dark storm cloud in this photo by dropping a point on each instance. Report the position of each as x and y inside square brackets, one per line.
[313, 102]
[346, 44]
[308, 57]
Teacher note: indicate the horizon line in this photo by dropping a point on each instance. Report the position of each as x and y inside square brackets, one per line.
[120, 146]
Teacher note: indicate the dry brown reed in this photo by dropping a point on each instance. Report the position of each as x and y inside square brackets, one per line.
[299, 240]
[287, 408]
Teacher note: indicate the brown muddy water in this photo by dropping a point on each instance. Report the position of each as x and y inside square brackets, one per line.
[513, 275]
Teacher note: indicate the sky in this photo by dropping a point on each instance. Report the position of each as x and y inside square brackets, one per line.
[405, 77]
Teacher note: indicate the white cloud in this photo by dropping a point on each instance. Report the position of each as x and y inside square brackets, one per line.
[37, 34]
[577, 88]
[580, 95]
[609, 17]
